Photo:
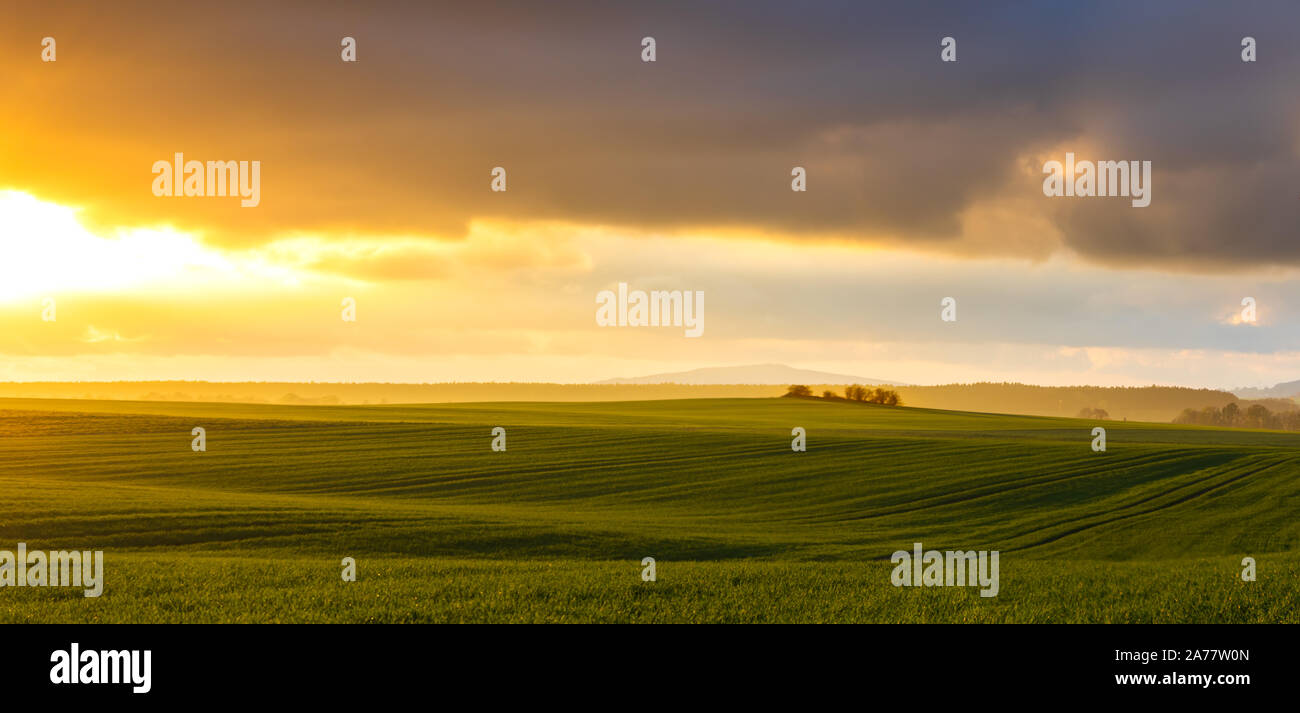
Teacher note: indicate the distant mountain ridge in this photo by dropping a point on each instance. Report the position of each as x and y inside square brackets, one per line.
[752, 374]
[1284, 390]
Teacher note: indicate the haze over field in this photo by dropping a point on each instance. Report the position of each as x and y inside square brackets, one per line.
[753, 374]
[1151, 403]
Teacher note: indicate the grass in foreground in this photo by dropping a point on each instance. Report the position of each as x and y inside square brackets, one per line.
[253, 587]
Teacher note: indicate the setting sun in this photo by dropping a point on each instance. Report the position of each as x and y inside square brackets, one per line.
[46, 250]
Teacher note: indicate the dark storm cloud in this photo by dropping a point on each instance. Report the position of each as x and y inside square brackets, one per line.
[897, 144]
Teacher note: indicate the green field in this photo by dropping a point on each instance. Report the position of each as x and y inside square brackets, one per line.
[554, 529]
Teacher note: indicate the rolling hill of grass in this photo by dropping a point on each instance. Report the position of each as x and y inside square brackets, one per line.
[554, 529]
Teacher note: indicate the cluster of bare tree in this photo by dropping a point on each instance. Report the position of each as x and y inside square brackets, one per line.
[887, 397]
[1256, 416]
[1093, 413]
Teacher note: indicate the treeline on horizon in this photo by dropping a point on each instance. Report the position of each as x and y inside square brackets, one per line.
[1255, 415]
[853, 392]
[1144, 403]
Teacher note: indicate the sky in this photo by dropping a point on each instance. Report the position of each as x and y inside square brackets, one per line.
[924, 180]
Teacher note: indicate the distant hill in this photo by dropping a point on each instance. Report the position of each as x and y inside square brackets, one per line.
[1284, 390]
[753, 374]
[1148, 403]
